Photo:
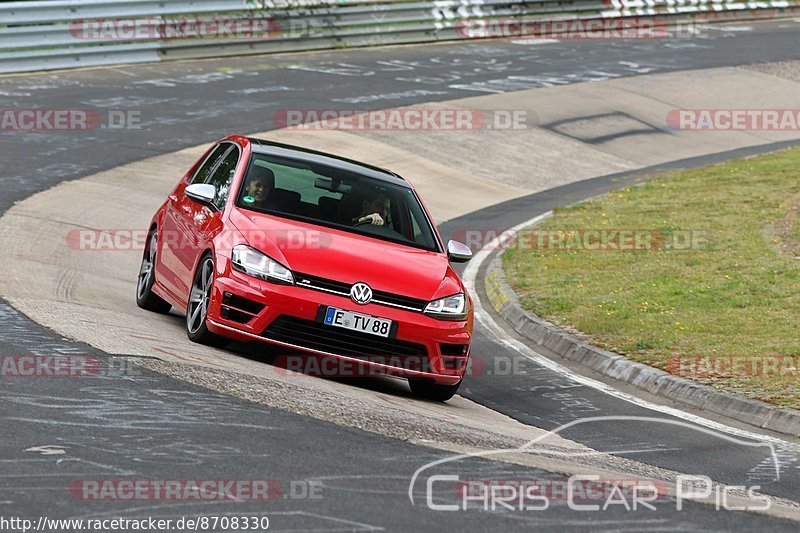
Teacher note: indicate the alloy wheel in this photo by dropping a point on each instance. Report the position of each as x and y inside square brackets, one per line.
[200, 297]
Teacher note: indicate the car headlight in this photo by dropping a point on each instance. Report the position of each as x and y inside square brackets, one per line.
[451, 308]
[254, 263]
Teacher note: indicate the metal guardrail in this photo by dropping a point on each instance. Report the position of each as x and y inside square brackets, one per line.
[56, 34]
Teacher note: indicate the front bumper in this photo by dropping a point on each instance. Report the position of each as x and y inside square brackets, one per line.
[428, 348]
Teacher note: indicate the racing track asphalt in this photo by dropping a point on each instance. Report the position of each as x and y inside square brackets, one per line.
[152, 426]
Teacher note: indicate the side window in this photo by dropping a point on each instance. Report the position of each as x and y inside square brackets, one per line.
[202, 173]
[222, 177]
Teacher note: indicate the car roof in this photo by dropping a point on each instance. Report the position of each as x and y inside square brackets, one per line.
[260, 146]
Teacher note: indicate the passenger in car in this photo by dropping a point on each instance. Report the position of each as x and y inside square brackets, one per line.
[374, 210]
[259, 186]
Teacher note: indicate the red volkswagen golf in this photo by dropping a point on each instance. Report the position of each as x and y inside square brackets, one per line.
[267, 242]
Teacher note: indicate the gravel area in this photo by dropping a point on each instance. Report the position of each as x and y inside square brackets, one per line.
[788, 70]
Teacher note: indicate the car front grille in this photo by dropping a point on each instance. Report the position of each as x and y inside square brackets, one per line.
[343, 289]
[338, 341]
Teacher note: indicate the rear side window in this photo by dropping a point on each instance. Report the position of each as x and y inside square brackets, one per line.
[201, 176]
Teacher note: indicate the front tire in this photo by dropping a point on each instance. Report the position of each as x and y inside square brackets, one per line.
[429, 390]
[145, 297]
[199, 302]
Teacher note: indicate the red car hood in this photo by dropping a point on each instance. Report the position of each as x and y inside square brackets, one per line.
[348, 257]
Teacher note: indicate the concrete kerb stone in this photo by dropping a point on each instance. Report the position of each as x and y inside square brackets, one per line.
[743, 409]
[679, 390]
[783, 421]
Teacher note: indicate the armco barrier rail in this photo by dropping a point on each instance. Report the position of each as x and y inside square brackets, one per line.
[57, 34]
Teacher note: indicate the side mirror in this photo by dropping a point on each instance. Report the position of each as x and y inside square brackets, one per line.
[202, 193]
[458, 252]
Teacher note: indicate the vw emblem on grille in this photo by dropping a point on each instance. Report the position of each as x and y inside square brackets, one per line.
[361, 293]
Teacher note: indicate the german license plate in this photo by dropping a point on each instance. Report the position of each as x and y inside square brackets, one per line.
[339, 318]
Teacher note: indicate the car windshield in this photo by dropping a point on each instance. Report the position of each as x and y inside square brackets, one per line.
[336, 198]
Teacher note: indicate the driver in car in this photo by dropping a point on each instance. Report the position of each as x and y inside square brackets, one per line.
[375, 210]
[260, 183]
